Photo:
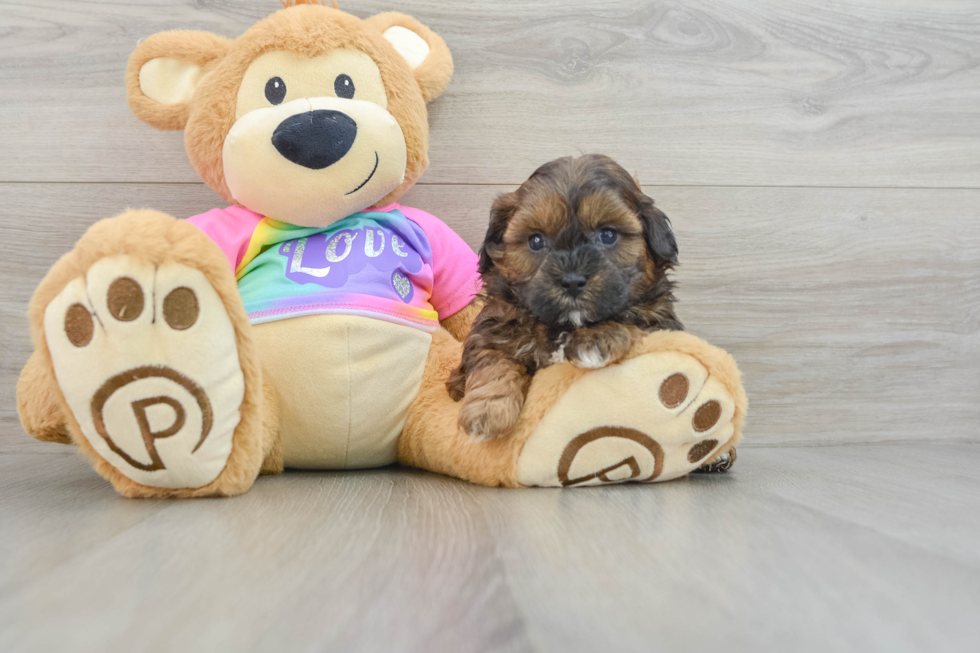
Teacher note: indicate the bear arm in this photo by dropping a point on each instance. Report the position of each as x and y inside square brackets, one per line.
[231, 229]
[38, 404]
[460, 324]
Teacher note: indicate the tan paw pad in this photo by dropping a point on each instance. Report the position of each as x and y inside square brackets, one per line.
[147, 360]
[653, 418]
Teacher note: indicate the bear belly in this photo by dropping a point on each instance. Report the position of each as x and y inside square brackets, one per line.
[345, 384]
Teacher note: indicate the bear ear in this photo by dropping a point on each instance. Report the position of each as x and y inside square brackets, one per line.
[164, 72]
[425, 52]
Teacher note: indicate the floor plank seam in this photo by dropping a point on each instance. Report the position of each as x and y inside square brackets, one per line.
[896, 541]
[519, 182]
[742, 445]
[869, 443]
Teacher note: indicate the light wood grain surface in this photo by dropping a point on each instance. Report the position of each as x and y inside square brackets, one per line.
[853, 548]
[777, 92]
[821, 165]
[853, 313]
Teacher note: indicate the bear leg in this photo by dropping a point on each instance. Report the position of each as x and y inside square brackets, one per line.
[674, 405]
[432, 438]
[39, 404]
[141, 335]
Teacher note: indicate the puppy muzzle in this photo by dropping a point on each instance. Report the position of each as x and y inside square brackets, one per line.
[572, 270]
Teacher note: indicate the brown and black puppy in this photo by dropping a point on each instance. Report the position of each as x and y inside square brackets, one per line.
[574, 267]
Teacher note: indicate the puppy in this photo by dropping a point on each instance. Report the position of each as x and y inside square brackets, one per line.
[574, 268]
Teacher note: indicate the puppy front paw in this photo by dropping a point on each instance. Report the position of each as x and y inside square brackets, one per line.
[589, 358]
[592, 349]
[489, 417]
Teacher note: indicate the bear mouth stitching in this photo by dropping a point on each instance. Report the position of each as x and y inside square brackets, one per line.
[377, 160]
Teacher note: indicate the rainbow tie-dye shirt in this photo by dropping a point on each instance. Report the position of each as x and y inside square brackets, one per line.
[395, 263]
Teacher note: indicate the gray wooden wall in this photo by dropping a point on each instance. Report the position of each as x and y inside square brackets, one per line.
[820, 162]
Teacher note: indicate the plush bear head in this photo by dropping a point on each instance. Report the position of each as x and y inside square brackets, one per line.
[310, 115]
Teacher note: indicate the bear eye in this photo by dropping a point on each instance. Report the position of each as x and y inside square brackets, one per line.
[343, 86]
[536, 242]
[608, 236]
[275, 90]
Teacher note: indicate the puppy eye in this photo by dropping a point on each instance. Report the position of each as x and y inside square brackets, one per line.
[275, 90]
[608, 236]
[536, 242]
[343, 86]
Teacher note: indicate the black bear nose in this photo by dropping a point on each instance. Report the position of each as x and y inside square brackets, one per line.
[573, 284]
[315, 139]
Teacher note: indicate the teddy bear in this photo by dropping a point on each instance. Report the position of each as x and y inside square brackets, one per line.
[313, 322]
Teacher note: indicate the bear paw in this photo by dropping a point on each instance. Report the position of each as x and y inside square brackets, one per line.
[147, 360]
[655, 417]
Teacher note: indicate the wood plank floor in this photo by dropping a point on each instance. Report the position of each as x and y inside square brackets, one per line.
[757, 92]
[849, 548]
[821, 165]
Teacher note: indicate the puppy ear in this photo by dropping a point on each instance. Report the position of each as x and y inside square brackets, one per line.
[164, 72]
[656, 230]
[425, 52]
[493, 245]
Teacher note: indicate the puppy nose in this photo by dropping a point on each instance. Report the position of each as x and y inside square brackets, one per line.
[315, 139]
[573, 284]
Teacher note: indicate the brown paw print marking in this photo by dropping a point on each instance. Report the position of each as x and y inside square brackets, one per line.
[701, 450]
[79, 326]
[707, 416]
[139, 407]
[180, 308]
[125, 299]
[674, 389]
[572, 449]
